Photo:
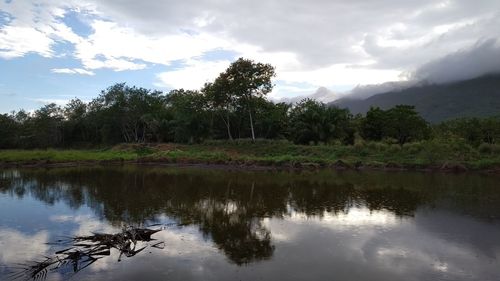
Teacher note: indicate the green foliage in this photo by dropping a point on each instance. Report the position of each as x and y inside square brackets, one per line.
[239, 88]
[190, 120]
[474, 130]
[315, 122]
[489, 148]
[373, 125]
[401, 123]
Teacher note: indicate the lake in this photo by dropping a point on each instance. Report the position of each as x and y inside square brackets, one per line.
[215, 224]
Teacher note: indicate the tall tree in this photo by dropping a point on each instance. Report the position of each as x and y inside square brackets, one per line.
[244, 81]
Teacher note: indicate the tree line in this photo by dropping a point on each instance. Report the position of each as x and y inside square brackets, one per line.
[233, 106]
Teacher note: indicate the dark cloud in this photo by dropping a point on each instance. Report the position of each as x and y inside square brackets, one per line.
[366, 91]
[483, 58]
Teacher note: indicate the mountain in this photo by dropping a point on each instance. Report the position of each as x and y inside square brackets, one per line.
[322, 94]
[475, 97]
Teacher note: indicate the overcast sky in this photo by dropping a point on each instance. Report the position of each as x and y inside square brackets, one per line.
[56, 50]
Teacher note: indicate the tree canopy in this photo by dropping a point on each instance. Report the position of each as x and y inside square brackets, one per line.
[233, 106]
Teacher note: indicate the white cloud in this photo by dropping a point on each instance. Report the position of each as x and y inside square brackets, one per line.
[192, 76]
[339, 74]
[51, 100]
[73, 71]
[116, 47]
[18, 247]
[33, 28]
[329, 43]
[17, 41]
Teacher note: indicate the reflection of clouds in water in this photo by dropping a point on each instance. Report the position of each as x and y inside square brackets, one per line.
[17, 247]
[184, 243]
[87, 224]
[355, 218]
[380, 244]
[380, 241]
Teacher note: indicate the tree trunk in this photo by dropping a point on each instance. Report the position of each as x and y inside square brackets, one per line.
[227, 126]
[251, 125]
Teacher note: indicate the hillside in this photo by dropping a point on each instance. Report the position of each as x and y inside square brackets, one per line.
[476, 97]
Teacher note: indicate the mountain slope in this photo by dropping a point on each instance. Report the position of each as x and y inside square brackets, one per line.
[475, 97]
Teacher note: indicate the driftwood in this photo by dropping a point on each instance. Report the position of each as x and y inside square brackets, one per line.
[82, 251]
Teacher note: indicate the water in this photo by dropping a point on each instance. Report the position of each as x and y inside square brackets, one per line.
[235, 225]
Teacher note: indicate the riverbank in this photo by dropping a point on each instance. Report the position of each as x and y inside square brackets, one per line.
[428, 156]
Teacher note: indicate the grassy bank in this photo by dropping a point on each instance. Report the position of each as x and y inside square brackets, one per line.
[422, 155]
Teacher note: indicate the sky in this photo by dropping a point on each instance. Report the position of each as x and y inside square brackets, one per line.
[56, 50]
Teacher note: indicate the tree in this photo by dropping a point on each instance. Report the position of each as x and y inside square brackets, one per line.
[8, 131]
[472, 130]
[273, 121]
[404, 124]
[46, 126]
[130, 109]
[75, 127]
[190, 121]
[313, 121]
[243, 82]
[373, 125]
[221, 101]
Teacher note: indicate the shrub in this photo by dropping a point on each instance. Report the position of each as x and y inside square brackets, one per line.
[489, 148]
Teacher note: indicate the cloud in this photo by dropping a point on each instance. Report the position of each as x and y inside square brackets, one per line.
[116, 47]
[322, 94]
[18, 247]
[366, 91]
[320, 34]
[332, 43]
[482, 58]
[46, 101]
[32, 28]
[193, 75]
[16, 41]
[73, 71]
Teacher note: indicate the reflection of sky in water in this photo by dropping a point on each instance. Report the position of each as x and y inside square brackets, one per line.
[358, 244]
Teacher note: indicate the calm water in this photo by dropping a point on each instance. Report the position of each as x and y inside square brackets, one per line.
[223, 225]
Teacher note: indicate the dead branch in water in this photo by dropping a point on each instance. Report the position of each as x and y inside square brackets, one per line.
[82, 251]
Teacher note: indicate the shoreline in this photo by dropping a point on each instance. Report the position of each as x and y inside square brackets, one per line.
[424, 157]
[249, 166]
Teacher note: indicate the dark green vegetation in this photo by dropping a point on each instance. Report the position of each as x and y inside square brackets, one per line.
[230, 121]
[479, 97]
[428, 154]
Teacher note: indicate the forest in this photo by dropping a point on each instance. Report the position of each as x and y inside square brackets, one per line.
[232, 107]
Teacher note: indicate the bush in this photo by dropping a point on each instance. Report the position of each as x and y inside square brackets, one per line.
[489, 148]
[413, 148]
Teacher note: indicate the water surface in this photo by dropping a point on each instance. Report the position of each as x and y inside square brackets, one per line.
[235, 225]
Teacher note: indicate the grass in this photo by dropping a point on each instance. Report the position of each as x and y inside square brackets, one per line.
[65, 155]
[280, 153]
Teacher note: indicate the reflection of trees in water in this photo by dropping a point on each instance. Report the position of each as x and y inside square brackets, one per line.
[227, 207]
